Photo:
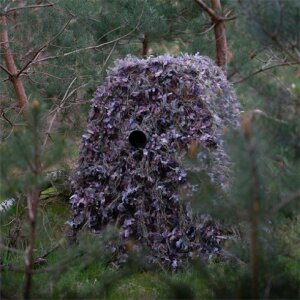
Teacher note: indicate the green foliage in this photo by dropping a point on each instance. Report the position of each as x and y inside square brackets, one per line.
[264, 34]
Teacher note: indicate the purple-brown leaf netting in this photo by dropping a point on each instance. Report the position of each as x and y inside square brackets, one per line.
[132, 169]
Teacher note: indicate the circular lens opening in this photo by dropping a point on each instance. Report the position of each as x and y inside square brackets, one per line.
[137, 139]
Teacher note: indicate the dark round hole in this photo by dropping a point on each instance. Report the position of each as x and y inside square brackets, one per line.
[138, 139]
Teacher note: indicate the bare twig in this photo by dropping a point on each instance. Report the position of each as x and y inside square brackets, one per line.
[285, 202]
[35, 56]
[229, 254]
[109, 55]
[289, 53]
[42, 259]
[259, 112]
[6, 119]
[108, 32]
[210, 27]
[4, 247]
[6, 71]
[59, 266]
[28, 6]
[56, 111]
[207, 30]
[264, 68]
[275, 39]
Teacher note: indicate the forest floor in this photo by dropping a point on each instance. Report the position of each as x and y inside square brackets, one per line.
[82, 270]
[75, 271]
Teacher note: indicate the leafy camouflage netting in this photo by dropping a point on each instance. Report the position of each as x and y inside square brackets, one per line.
[132, 171]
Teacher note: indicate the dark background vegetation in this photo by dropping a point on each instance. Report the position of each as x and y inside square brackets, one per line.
[61, 51]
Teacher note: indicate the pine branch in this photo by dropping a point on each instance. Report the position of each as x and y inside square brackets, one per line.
[285, 49]
[212, 13]
[92, 47]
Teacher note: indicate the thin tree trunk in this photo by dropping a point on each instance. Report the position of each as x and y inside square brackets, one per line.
[145, 45]
[220, 36]
[32, 205]
[33, 199]
[255, 204]
[254, 237]
[11, 66]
